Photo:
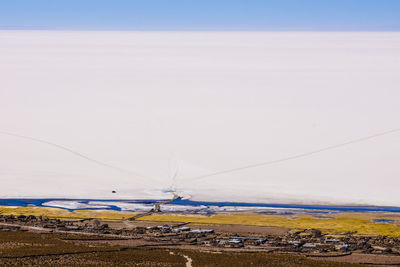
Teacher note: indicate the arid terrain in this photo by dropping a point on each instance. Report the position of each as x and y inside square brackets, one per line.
[42, 240]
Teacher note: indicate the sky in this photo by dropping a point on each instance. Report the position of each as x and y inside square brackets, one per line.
[202, 15]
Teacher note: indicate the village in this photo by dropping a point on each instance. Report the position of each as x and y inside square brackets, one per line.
[311, 242]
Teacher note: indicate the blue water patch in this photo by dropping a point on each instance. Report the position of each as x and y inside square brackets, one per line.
[179, 201]
[19, 202]
[383, 221]
[308, 208]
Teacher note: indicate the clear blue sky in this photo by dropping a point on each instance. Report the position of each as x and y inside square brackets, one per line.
[248, 15]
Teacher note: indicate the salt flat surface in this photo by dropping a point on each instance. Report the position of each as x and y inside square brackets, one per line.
[73, 205]
[174, 106]
[144, 207]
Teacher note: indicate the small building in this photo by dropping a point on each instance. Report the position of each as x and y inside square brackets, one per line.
[331, 240]
[236, 243]
[202, 231]
[344, 247]
[295, 243]
[182, 229]
[308, 245]
[163, 227]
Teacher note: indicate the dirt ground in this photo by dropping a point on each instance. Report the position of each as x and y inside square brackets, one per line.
[31, 243]
[51, 249]
[365, 259]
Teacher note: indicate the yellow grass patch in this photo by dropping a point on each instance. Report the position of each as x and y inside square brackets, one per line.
[66, 214]
[341, 223]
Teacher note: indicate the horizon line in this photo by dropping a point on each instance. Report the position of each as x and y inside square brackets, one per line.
[200, 30]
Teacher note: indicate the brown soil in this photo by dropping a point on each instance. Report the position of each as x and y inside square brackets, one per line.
[367, 259]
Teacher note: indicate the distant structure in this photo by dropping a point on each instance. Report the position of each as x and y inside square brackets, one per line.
[157, 208]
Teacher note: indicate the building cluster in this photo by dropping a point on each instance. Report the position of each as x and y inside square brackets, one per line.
[302, 241]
